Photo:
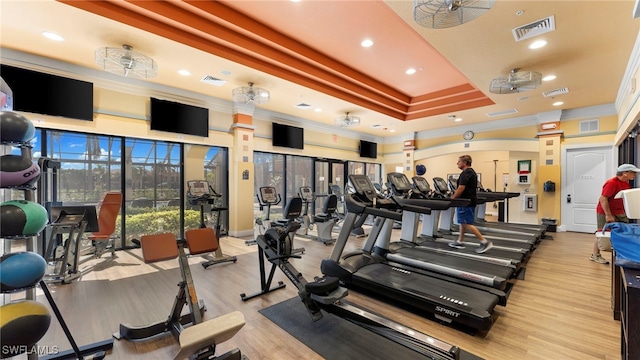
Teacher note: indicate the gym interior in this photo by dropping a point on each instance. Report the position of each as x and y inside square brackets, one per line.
[262, 234]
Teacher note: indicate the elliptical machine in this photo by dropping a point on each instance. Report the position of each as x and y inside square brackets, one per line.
[199, 192]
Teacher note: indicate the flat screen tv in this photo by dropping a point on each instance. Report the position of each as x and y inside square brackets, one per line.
[180, 118]
[48, 94]
[287, 136]
[368, 149]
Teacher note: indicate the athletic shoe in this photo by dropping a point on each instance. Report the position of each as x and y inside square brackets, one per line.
[484, 246]
[457, 245]
[598, 258]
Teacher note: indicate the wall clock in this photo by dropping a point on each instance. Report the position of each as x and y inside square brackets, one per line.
[468, 135]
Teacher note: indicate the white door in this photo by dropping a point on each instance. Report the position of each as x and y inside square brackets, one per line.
[585, 171]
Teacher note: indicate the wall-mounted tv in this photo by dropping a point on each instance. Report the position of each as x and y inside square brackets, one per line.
[48, 94]
[368, 149]
[179, 118]
[287, 136]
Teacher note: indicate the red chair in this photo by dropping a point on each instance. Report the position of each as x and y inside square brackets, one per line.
[107, 215]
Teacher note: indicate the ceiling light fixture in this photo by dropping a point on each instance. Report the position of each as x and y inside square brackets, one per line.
[439, 14]
[410, 71]
[558, 103]
[52, 36]
[126, 62]
[347, 120]
[366, 43]
[549, 78]
[184, 72]
[537, 44]
[250, 94]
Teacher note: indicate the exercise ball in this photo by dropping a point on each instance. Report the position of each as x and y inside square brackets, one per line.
[23, 324]
[21, 270]
[22, 218]
[16, 170]
[15, 127]
[421, 169]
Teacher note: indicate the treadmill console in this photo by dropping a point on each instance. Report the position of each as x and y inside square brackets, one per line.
[400, 182]
[268, 195]
[363, 187]
[306, 194]
[421, 184]
[440, 185]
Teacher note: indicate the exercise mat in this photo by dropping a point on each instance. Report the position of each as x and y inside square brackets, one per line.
[335, 338]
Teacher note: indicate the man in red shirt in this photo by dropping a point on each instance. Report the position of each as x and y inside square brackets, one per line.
[610, 209]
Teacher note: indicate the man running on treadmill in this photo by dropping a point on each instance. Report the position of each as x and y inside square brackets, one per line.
[467, 187]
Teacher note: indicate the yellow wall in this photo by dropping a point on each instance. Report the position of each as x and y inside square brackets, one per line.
[123, 114]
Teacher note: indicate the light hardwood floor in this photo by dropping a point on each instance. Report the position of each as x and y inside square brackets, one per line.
[561, 310]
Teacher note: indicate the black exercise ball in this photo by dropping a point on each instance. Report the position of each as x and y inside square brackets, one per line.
[15, 128]
[22, 218]
[16, 170]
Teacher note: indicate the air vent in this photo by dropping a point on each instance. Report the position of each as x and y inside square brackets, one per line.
[555, 92]
[590, 126]
[303, 106]
[501, 113]
[208, 79]
[535, 28]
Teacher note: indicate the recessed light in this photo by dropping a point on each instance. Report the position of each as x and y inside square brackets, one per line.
[184, 72]
[410, 71]
[52, 36]
[549, 78]
[538, 44]
[366, 43]
[295, 0]
[458, 119]
[317, 110]
[392, 130]
[558, 103]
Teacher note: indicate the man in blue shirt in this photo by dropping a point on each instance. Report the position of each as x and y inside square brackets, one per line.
[467, 189]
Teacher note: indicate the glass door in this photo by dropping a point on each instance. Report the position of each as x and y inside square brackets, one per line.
[328, 173]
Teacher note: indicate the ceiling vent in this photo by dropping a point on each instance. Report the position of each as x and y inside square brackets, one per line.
[303, 106]
[556, 92]
[208, 79]
[535, 28]
[501, 113]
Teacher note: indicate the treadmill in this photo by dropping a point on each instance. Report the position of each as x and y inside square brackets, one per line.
[446, 224]
[426, 240]
[448, 301]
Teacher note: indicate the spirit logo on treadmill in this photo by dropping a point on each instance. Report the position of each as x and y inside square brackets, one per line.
[447, 311]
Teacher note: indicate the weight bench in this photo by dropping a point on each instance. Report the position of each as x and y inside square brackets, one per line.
[199, 340]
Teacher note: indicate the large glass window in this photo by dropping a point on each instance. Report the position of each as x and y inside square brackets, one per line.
[269, 171]
[152, 180]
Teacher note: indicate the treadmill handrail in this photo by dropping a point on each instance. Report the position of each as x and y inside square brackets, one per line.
[359, 207]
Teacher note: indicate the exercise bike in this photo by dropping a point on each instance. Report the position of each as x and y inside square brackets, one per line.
[268, 197]
[323, 222]
[200, 193]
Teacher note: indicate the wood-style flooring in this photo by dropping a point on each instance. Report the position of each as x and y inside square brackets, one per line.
[561, 310]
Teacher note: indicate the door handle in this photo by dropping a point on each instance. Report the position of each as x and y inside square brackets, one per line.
[569, 199]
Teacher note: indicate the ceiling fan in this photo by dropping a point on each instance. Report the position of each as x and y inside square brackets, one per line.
[347, 120]
[517, 81]
[440, 14]
[126, 62]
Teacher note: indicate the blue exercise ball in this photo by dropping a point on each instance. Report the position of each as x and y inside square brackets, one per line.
[15, 128]
[22, 324]
[22, 218]
[17, 170]
[421, 169]
[21, 270]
